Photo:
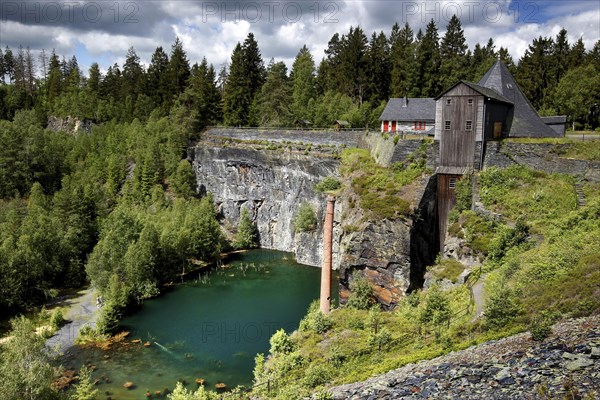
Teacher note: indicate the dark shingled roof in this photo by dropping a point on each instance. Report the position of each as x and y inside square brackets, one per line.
[555, 119]
[487, 92]
[409, 109]
[525, 121]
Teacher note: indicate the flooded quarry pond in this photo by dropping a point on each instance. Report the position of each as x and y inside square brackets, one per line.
[209, 329]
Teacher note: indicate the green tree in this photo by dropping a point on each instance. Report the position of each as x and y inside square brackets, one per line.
[246, 77]
[379, 68]
[25, 369]
[133, 76]
[247, 234]
[428, 62]
[157, 83]
[534, 73]
[578, 54]
[85, 389]
[271, 105]
[453, 51]
[183, 181]
[303, 84]
[361, 292]
[306, 219]
[178, 69]
[204, 96]
[577, 92]
[402, 60]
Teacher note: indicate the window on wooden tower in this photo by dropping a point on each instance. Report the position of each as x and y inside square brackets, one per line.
[452, 183]
[447, 125]
[448, 102]
[470, 101]
[469, 126]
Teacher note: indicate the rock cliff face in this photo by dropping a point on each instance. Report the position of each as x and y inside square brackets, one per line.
[271, 185]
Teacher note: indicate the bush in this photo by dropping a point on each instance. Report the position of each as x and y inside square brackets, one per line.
[281, 343]
[380, 340]
[361, 297]
[315, 320]
[56, 319]
[247, 234]
[317, 374]
[501, 308]
[328, 185]
[306, 219]
[541, 326]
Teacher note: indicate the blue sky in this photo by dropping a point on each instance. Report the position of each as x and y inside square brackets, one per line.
[102, 30]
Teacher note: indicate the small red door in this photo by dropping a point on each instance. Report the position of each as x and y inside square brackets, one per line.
[393, 126]
[385, 126]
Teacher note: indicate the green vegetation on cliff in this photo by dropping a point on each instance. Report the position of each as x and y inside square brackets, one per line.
[541, 262]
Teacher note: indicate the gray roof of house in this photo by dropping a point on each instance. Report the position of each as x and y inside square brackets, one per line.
[487, 92]
[525, 121]
[409, 109]
[555, 119]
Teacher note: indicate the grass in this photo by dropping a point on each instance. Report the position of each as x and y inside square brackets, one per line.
[449, 269]
[377, 187]
[556, 268]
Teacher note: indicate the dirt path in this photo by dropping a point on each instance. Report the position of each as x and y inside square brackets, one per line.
[478, 297]
[81, 311]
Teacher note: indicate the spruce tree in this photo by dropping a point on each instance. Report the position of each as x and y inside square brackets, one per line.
[534, 71]
[402, 60]
[157, 86]
[428, 62]
[578, 54]
[179, 68]
[247, 234]
[133, 75]
[352, 71]
[379, 68]
[271, 107]
[453, 51]
[9, 64]
[303, 83]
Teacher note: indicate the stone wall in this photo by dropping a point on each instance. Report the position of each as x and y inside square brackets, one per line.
[386, 153]
[331, 138]
[540, 156]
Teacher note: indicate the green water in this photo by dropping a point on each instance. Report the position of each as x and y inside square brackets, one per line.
[211, 328]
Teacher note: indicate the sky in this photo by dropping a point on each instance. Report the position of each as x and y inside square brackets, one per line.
[103, 31]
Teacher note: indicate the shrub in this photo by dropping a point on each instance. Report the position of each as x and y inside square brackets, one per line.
[317, 374]
[306, 219]
[56, 319]
[247, 234]
[501, 308]
[281, 343]
[541, 326]
[315, 320]
[380, 340]
[464, 193]
[328, 184]
[437, 308]
[361, 297]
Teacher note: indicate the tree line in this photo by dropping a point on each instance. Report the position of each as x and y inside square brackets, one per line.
[352, 81]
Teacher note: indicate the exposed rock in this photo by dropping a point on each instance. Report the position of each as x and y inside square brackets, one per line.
[70, 124]
[511, 368]
[271, 185]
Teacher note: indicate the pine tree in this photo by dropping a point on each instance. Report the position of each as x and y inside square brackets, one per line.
[483, 59]
[43, 64]
[157, 83]
[327, 79]
[93, 82]
[73, 74]
[2, 69]
[533, 73]
[29, 72]
[85, 389]
[236, 98]
[428, 62]
[247, 234]
[9, 64]
[561, 55]
[179, 68]
[594, 55]
[133, 75]
[351, 73]
[54, 78]
[246, 77]
[303, 83]
[19, 74]
[577, 54]
[403, 63]
[453, 51]
[271, 107]
[379, 69]
[203, 95]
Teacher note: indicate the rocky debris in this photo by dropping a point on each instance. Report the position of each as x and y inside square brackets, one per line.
[70, 124]
[566, 365]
